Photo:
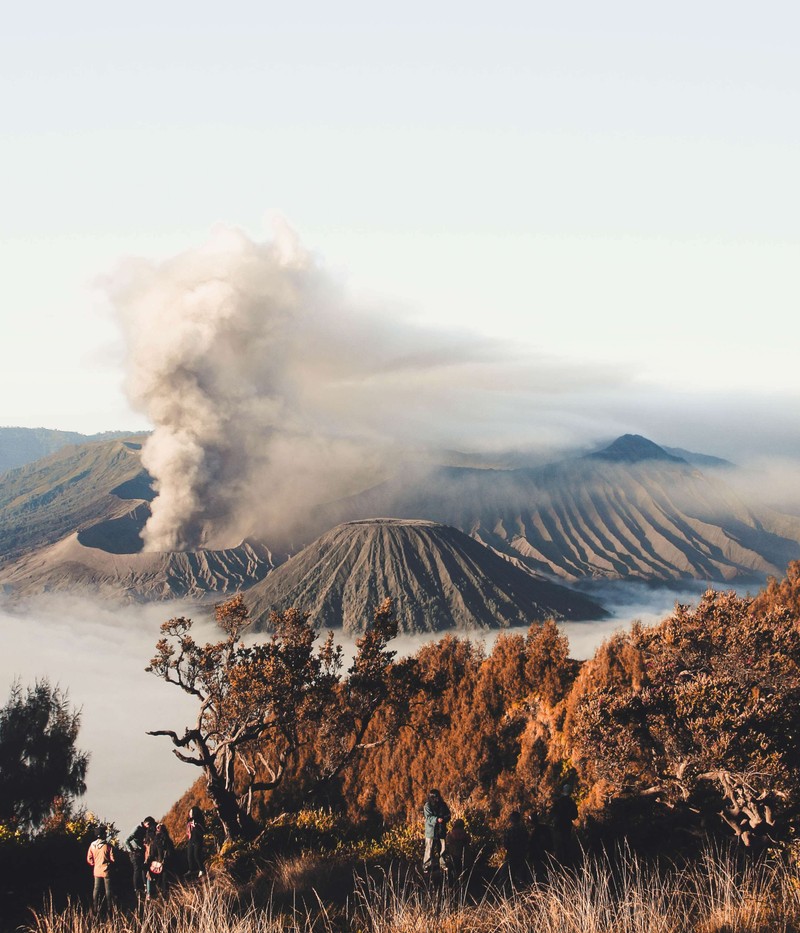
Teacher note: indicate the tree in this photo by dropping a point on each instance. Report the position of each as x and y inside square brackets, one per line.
[262, 705]
[39, 762]
[710, 724]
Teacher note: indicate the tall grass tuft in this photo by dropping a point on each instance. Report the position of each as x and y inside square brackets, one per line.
[623, 894]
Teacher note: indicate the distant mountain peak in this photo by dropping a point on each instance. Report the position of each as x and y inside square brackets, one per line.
[632, 448]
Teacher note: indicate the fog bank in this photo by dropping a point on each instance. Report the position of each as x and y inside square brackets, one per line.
[99, 654]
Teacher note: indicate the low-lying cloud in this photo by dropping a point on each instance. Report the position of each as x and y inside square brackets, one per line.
[98, 653]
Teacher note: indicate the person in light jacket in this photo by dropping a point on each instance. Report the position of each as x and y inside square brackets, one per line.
[101, 857]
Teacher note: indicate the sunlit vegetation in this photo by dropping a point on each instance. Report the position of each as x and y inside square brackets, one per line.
[668, 735]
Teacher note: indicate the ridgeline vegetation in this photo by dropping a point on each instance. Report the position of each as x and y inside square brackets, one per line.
[669, 734]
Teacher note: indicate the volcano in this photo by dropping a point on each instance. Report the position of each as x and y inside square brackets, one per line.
[438, 577]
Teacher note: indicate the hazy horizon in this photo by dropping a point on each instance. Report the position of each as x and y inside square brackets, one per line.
[607, 192]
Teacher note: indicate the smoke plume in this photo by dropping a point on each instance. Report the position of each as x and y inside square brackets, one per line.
[271, 391]
[223, 340]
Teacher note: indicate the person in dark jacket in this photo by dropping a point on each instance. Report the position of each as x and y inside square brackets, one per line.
[563, 814]
[135, 844]
[539, 847]
[437, 816]
[160, 852]
[515, 843]
[195, 831]
[458, 844]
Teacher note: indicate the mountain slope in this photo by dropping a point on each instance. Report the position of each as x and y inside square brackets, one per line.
[70, 490]
[70, 566]
[439, 578]
[19, 446]
[633, 448]
[70, 522]
[630, 512]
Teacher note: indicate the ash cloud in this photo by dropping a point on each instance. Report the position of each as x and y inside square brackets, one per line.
[271, 391]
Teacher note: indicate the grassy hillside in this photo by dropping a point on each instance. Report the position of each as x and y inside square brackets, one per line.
[42, 502]
[19, 446]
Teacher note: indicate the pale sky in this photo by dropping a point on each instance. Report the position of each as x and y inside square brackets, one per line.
[611, 185]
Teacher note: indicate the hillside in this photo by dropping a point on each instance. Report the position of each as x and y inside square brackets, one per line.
[71, 522]
[70, 565]
[438, 577]
[632, 511]
[19, 446]
[72, 490]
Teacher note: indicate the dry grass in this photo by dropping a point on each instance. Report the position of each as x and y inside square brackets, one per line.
[624, 896]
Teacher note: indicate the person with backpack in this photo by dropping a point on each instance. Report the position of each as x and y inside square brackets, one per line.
[135, 844]
[101, 857]
[195, 832]
[437, 816]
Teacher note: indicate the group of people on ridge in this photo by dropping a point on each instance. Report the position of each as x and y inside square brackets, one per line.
[151, 850]
[151, 853]
[448, 849]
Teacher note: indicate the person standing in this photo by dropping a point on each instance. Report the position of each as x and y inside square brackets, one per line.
[162, 850]
[539, 847]
[195, 831]
[515, 842]
[563, 814]
[437, 816]
[135, 844]
[457, 844]
[101, 857]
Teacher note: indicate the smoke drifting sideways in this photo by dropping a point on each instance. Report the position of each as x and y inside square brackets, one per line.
[271, 390]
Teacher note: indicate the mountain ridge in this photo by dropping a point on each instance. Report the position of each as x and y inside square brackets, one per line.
[634, 513]
[19, 446]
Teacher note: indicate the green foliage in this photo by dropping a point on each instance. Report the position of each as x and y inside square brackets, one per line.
[38, 758]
